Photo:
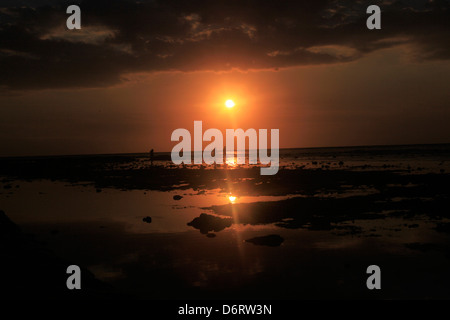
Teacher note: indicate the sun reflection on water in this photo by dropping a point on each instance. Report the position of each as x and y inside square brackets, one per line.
[231, 161]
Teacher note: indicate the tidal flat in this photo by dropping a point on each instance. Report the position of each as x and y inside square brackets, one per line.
[158, 231]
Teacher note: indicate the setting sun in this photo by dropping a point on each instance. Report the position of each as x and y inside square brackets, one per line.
[232, 199]
[229, 103]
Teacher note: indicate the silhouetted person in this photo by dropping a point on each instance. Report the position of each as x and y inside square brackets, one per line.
[151, 157]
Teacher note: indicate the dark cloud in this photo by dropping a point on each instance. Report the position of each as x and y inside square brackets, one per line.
[120, 37]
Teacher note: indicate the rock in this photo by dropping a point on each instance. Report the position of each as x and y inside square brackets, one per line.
[7, 227]
[272, 240]
[147, 219]
[206, 223]
[19, 251]
[177, 197]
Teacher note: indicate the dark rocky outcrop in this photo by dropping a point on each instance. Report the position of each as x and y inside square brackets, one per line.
[206, 223]
[29, 270]
[272, 240]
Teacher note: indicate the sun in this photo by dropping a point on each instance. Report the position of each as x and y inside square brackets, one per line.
[229, 103]
[232, 199]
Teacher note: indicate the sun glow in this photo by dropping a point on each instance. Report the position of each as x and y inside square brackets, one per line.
[229, 103]
[231, 161]
[232, 199]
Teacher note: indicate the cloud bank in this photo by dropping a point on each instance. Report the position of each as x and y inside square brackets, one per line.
[119, 37]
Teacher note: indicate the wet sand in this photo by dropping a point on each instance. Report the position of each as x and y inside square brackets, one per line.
[303, 233]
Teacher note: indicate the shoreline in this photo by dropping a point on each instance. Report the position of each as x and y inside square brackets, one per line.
[308, 232]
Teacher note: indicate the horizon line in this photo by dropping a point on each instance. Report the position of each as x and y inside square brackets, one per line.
[159, 152]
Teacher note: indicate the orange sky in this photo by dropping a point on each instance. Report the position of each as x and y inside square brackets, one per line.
[381, 99]
[137, 70]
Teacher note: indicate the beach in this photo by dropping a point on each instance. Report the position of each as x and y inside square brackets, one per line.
[149, 229]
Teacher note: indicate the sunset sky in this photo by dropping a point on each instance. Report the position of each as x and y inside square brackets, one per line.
[137, 70]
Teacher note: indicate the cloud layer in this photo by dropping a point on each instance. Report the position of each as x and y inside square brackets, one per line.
[119, 37]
